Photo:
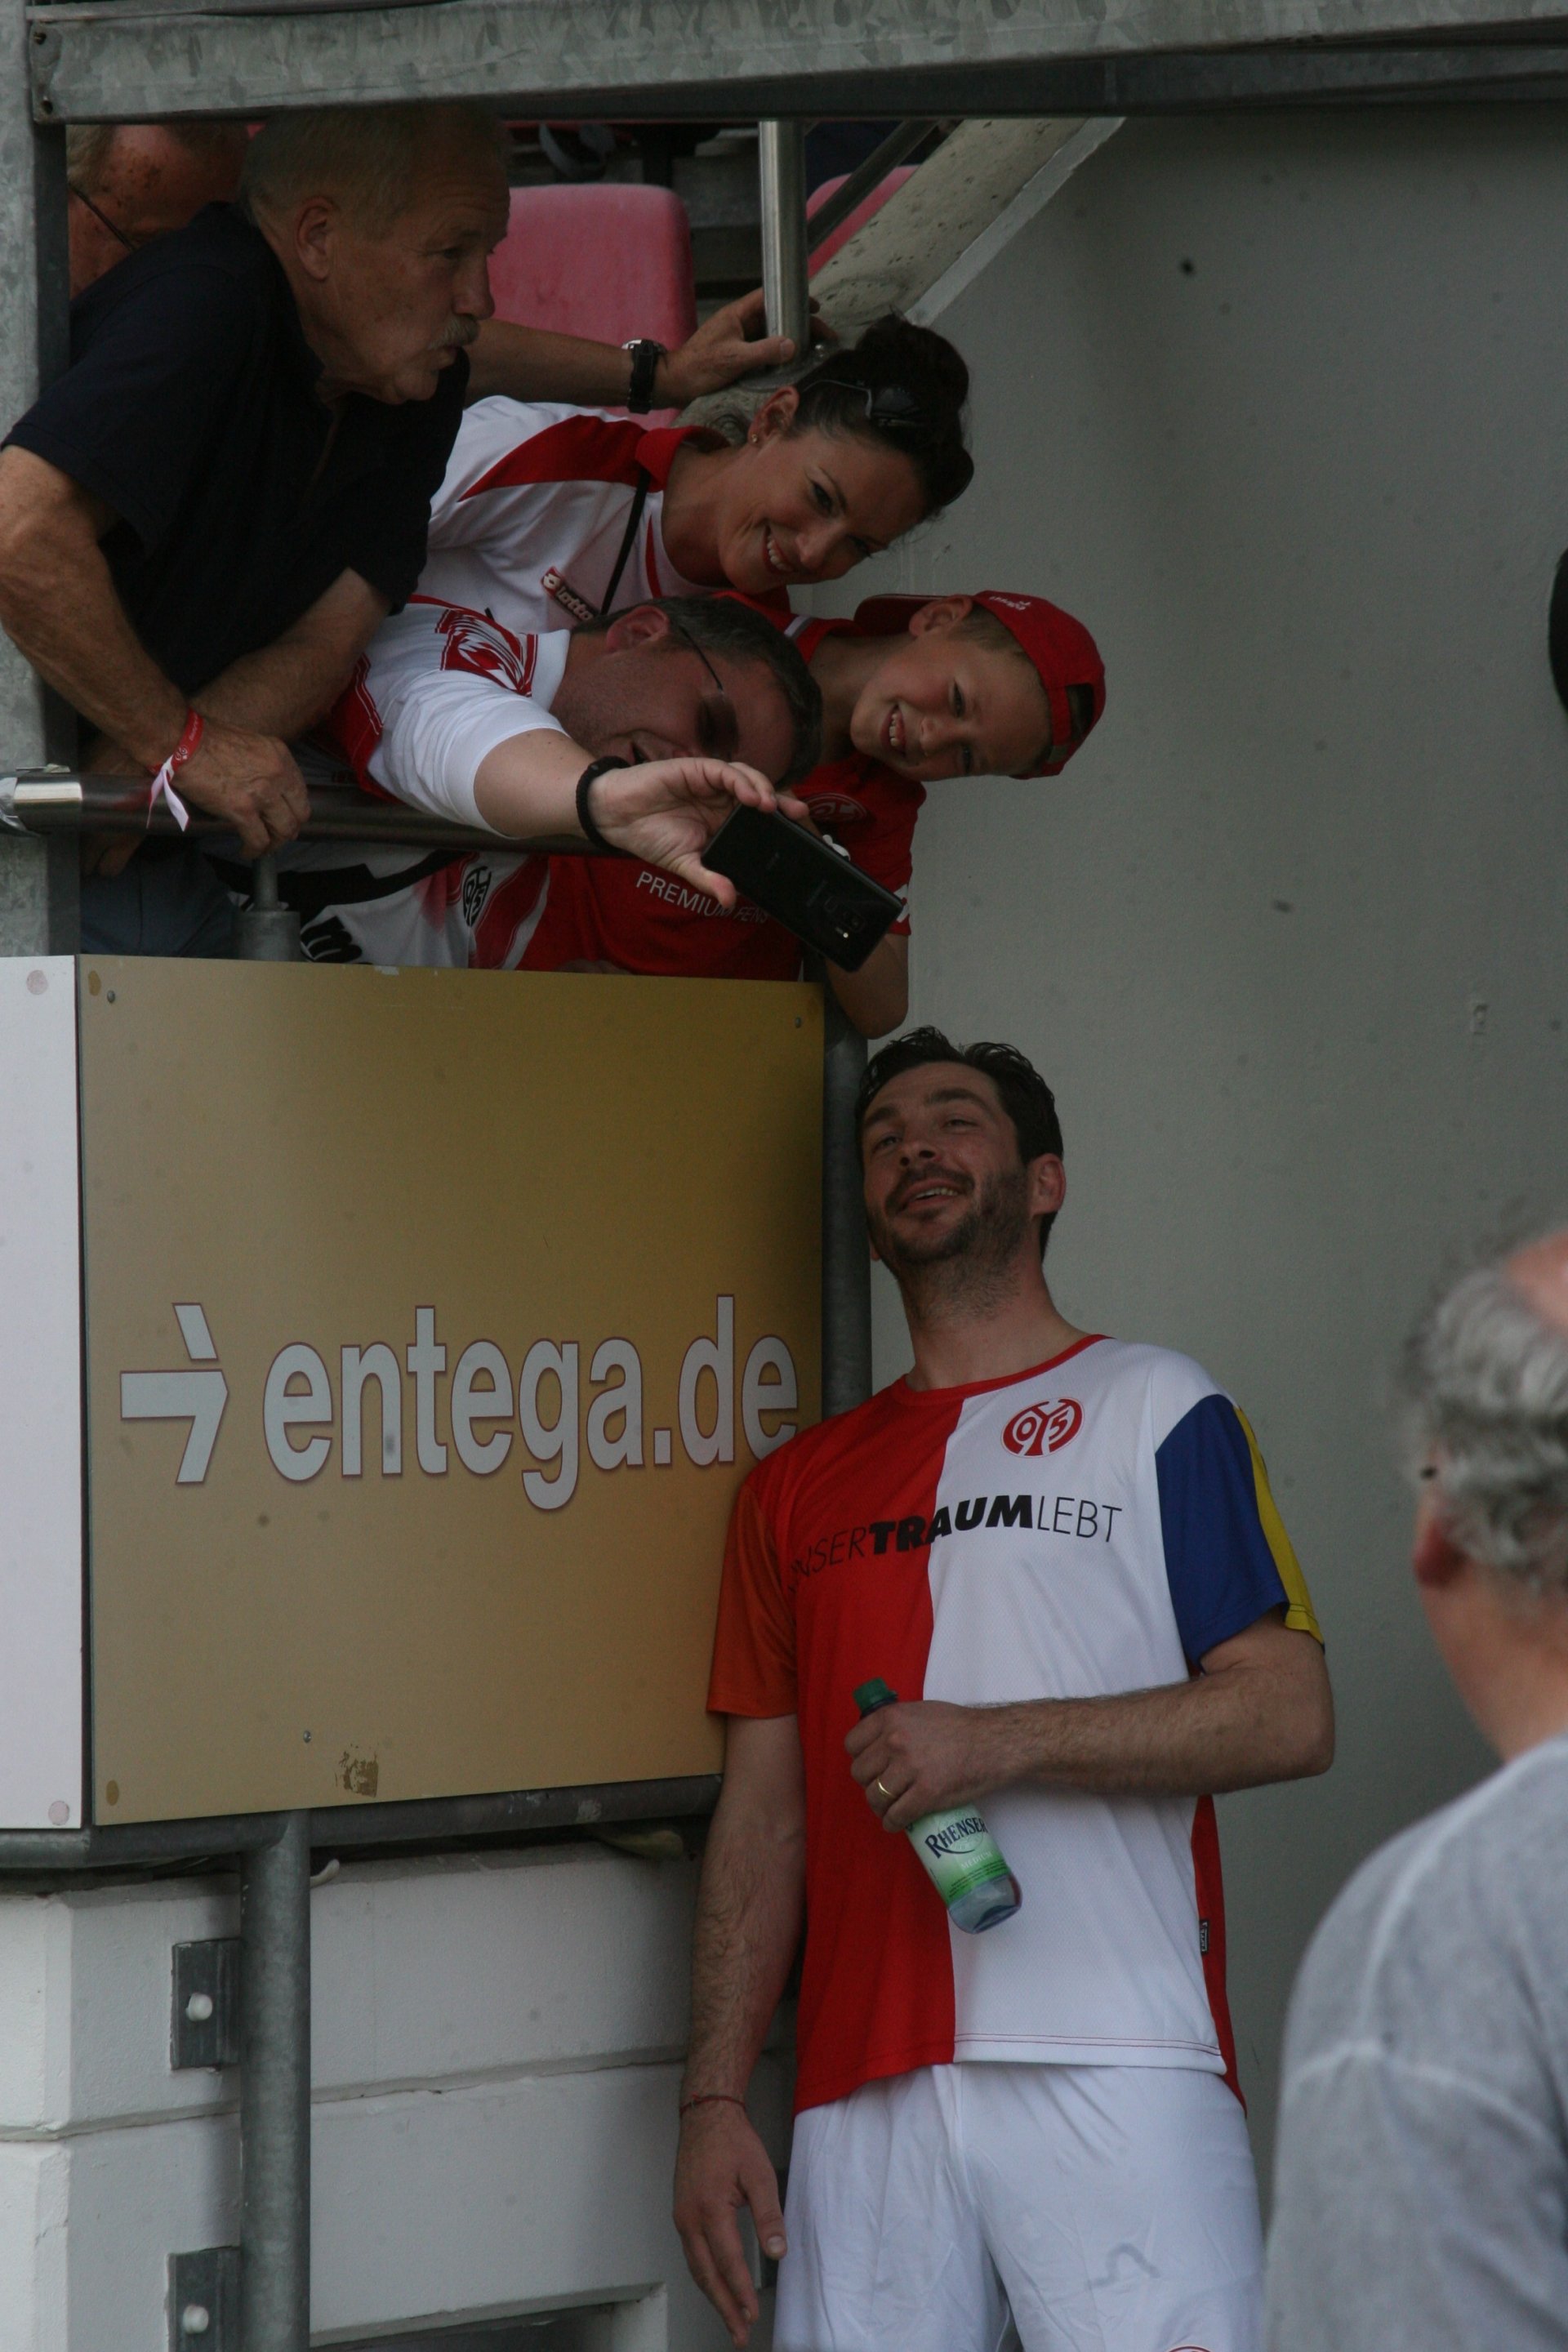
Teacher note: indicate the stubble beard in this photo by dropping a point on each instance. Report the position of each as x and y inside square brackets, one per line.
[971, 1266]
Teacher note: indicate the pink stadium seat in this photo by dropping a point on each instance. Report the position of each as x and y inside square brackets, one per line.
[609, 261]
[861, 214]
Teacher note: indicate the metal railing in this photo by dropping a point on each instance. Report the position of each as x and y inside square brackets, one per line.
[58, 802]
[52, 801]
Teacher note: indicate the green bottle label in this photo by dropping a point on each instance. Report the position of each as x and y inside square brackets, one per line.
[958, 1852]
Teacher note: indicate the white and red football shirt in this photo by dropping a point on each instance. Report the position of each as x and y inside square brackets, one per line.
[1095, 1526]
[436, 689]
[529, 523]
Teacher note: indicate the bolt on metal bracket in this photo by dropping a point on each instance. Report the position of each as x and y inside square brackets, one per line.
[205, 2026]
[204, 2297]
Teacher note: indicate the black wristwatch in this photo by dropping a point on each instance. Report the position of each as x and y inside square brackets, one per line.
[585, 782]
[646, 357]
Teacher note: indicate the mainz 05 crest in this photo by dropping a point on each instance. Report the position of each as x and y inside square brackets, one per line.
[1044, 1427]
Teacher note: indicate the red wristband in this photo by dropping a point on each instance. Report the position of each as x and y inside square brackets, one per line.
[710, 2099]
[189, 742]
[185, 749]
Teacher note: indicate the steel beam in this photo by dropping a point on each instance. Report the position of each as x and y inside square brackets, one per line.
[37, 882]
[415, 1822]
[275, 2091]
[781, 167]
[105, 60]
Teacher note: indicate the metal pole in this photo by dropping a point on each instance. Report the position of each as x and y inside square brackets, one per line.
[266, 931]
[37, 879]
[846, 1252]
[275, 2092]
[781, 154]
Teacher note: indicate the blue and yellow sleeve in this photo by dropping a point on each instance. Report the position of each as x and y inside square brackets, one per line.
[1228, 1557]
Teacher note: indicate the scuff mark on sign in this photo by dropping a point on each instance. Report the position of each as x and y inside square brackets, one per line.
[360, 1775]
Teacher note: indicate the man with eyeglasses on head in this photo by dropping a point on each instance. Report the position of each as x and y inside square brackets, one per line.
[635, 733]
[131, 182]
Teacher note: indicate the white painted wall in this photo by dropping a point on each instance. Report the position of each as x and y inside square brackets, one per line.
[1291, 936]
[497, 2048]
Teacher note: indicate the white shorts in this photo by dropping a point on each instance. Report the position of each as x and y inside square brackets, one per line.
[1064, 2208]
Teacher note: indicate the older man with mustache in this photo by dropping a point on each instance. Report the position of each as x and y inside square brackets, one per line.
[203, 522]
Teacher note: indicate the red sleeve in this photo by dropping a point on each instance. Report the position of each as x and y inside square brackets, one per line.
[753, 1644]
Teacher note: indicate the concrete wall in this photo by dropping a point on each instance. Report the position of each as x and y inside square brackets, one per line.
[1280, 407]
[497, 2048]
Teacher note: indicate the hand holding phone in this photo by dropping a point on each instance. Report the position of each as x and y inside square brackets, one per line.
[810, 887]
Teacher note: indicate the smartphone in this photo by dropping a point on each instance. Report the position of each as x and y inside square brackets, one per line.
[812, 889]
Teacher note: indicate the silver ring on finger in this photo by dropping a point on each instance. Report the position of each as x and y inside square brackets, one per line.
[886, 1790]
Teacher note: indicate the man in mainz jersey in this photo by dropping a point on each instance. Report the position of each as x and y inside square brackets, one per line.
[1061, 1550]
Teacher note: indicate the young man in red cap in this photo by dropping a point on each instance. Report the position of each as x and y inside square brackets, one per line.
[915, 689]
[1061, 1551]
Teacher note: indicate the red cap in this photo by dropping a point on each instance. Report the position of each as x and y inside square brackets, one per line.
[1061, 649]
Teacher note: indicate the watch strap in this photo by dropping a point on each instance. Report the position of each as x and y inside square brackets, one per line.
[646, 357]
[587, 827]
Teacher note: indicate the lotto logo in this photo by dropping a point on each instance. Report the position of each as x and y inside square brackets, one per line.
[1044, 1426]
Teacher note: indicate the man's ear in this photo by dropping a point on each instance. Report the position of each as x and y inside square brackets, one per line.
[1435, 1560]
[1047, 1184]
[316, 229]
[775, 415]
[643, 625]
[942, 614]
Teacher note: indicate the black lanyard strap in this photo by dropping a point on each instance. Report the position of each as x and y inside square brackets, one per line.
[639, 500]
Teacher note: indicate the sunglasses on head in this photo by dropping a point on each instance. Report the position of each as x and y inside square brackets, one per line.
[890, 404]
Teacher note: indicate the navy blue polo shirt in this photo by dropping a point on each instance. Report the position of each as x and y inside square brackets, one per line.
[190, 408]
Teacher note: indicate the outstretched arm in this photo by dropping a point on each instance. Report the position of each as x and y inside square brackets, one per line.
[1260, 1709]
[664, 811]
[532, 363]
[749, 1913]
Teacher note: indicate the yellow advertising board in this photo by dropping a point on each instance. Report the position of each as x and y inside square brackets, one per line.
[432, 1320]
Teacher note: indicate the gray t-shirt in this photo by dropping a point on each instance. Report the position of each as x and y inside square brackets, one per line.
[1421, 2190]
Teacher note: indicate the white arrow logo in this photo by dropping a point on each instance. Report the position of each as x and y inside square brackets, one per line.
[197, 1397]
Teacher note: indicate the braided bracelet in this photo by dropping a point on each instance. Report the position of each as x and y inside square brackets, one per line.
[585, 782]
[710, 2099]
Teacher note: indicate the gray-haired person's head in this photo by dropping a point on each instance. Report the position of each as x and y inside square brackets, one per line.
[375, 160]
[1485, 1381]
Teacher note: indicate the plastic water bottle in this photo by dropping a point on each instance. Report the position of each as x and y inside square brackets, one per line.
[966, 1865]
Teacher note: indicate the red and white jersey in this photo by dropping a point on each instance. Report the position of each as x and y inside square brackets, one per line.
[438, 688]
[1097, 1525]
[529, 523]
